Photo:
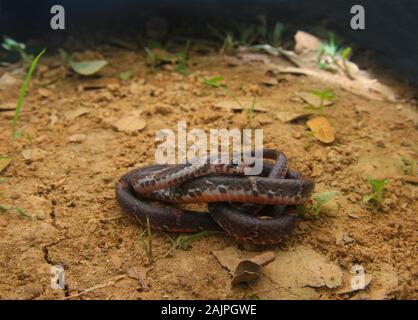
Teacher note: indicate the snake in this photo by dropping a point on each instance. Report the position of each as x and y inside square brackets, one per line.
[252, 209]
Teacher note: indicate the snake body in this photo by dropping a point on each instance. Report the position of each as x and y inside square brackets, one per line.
[222, 186]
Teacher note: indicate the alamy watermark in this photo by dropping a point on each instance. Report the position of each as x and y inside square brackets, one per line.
[58, 277]
[193, 145]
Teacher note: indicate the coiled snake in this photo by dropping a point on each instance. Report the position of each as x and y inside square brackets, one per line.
[222, 186]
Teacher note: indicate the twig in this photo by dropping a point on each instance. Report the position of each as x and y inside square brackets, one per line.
[99, 286]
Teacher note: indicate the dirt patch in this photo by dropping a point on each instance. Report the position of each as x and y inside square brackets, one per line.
[64, 178]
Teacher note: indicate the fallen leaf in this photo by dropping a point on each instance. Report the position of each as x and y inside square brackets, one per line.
[87, 68]
[321, 129]
[251, 269]
[246, 271]
[93, 84]
[260, 106]
[313, 100]
[8, 106]
[4, 163]
[293, 275]
[409, 179]
[288, 116]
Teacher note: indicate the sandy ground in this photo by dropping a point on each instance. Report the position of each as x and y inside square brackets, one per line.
[64, 178]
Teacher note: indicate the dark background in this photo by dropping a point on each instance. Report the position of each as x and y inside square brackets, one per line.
[391, 25]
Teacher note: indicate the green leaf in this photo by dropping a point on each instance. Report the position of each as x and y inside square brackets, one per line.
[378, 186]
[346, 52]
[87, 68]
[22, 94]
[327, 94]
[126, 75]
[324, 197]
[214, 82]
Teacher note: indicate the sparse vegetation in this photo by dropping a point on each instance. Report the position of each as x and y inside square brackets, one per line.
[317, 204]
[409, 165]
[17, 47]
[22, 93]
[324, 95]
[331, 54]
[145, 238]
[183, 242]
[158, 55]
[217, 82]
[378, 186]
[5, 208]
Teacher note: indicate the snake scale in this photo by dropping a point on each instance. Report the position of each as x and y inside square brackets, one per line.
[252, 209]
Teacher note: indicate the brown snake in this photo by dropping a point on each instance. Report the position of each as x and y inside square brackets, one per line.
[222, 187]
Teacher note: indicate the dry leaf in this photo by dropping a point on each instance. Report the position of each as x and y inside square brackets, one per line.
[321, 129]
[248, 270]
[293, 275]
[409, 179]
[9, 106]
[260, 106]
[288, 116]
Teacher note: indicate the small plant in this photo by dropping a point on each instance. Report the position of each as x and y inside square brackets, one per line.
[409, 165]
[378, 187]
[20, 212]
[318, 202]
[216, 82]
[18, 47]
[145, 238]
[183, 242]
[329, 53]
[324, 95]
[182, 57]
[159, 56]
[22, 93]
[250, 113]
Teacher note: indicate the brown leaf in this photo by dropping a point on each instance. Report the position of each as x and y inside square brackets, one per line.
[251, 269]
[288, 116]
[321, 129]
[244, 102]
[409, 179]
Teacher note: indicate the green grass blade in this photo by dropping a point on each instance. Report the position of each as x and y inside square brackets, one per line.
[22, 93]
